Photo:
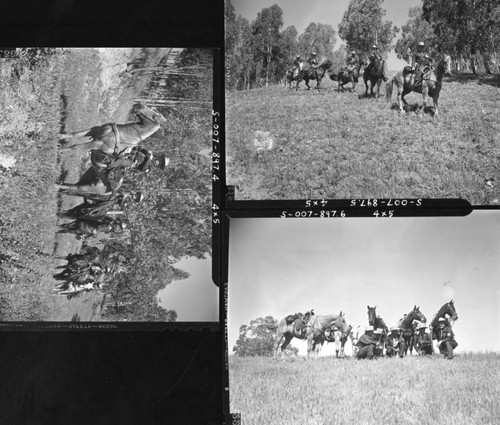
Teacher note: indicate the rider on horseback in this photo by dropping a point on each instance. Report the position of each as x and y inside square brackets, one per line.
[375, 54]
[313, 61]
[421, 62]
[352, 64]
[297, 63]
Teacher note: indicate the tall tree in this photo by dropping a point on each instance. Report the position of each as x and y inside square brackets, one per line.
[319, 38]
[258, 338]
[288, 49]
[362, 26]
[469, 27]
[266, 39]
[415, 30]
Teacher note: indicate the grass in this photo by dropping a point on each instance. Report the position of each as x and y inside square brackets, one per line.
[342, 145]
[412, 390]
[29, 125]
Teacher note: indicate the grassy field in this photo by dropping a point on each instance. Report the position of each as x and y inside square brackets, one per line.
[412, 390]
[343, 145]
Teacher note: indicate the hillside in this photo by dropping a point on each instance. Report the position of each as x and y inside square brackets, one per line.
[287, 144]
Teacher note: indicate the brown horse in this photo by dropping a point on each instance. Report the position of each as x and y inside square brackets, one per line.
[430, 87]
[116, 137]
[319, 330]
[375, 73]
[310, 72]
[103, 179]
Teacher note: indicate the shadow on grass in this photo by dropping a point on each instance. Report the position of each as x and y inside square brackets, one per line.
[480, 79]
[415, 107]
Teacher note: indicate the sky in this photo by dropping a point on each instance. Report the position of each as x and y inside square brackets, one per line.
[195, 299]
[301, 13]
[283, 266]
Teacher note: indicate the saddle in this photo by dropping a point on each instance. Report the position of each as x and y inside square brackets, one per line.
[292, 318]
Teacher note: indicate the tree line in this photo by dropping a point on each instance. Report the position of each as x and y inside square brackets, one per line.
[259, 53]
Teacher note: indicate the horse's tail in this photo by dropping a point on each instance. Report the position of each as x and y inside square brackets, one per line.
[388, 89]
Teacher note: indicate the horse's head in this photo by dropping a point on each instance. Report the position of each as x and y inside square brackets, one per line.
[416, 314]
[372, 315]
[450, 310]
[149, 114]
[341, 323]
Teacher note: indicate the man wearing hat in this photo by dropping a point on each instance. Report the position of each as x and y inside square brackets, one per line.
[446, 339]
[366, 344]
[297, 63]
[420, 60]
[391, 342]
[424, 340]
[378, 350]
[351, 65]
[313, 61]
[375, 54]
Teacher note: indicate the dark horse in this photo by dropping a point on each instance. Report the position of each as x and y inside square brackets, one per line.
[375, 73]
[310, 72]
[376, 321]
[344, 77]
[408, 328]
[447, 309]
[430, 87]
[289, 327]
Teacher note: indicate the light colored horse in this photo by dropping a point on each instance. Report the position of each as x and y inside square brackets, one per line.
[285, 332]
[430, 87]
[116, 137]
[318, 331]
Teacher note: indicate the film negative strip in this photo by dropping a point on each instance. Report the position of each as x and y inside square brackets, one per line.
[297, 285]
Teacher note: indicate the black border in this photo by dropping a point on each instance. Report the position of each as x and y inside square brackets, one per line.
[130, 375]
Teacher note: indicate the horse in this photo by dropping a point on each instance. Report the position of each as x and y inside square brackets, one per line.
[408, 330]
[375, 73]
[377, 322]
[310, 72]
[288, 328]
[116, 137]
[431, 85]
[319, 329]
[447, 309]
[344, 77]
[291, 75]
[103, 179]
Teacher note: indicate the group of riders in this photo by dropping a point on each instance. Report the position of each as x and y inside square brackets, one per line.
[102, 215]
[378, 342]
[420, 63]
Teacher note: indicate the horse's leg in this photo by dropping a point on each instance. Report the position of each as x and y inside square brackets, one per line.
[307, 84]
[425, 96]
[288, 338]
[435, 100]
[279, 338]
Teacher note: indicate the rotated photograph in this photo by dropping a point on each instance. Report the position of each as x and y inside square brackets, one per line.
[105, 162]
[388, 321]
[358, 99]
